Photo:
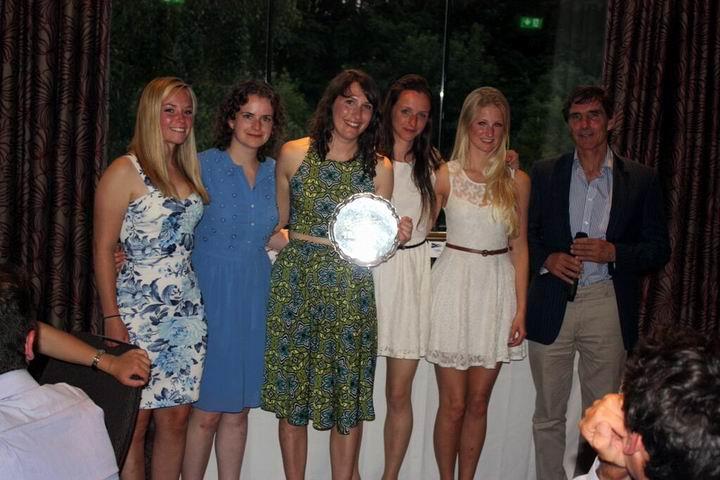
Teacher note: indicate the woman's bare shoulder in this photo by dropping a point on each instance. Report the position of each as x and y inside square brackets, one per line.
[295, 149]
[122, 178]
[383, 164]
[291, 156]
[522, 180]
[122, 167]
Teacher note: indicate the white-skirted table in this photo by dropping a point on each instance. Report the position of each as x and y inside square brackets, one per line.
[507, 455]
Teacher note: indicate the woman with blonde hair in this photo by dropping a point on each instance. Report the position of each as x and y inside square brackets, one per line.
[150, 200]
[479, 282]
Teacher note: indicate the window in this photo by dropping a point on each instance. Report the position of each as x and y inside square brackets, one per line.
[535, 51]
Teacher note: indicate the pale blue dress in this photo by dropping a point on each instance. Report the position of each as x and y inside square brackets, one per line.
[158, 294]
[234, 272]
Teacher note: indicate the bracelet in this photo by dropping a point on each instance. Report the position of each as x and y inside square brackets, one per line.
[96, 359]
[111, 316]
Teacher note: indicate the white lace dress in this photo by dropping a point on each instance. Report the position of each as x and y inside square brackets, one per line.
[473, 296]
[402, 284]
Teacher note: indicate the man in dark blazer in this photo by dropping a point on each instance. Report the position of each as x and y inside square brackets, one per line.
[584, 292]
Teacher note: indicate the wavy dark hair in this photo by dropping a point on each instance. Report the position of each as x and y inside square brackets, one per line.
[321, 122]
[238, 97]
[671, 392]
[16, 317]
[427, 158]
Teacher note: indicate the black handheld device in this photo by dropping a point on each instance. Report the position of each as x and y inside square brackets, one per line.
[572, 289]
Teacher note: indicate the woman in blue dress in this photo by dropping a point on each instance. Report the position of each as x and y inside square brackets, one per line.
[234, 272]
[151, 199]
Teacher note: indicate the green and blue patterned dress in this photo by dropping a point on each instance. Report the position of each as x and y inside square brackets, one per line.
[321, 326]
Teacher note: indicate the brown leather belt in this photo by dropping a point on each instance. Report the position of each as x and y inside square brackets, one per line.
[408, 247]
[484, 253]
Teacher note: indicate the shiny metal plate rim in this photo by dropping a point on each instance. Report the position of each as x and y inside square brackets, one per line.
[381, 256]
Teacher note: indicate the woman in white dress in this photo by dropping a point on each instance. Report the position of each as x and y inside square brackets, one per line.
[479, 283]
[402, 284]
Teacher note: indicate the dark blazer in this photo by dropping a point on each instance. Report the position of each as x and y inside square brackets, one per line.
[636, 227]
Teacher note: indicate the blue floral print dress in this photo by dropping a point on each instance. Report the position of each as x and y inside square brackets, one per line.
[158, 294]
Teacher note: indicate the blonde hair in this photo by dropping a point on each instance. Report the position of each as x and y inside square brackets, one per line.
[148, 146]
[500, 186]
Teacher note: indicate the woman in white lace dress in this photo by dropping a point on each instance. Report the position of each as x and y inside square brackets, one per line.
[479, 282]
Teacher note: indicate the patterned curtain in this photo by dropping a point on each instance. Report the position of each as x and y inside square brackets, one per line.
[53, 121]
[663, 66]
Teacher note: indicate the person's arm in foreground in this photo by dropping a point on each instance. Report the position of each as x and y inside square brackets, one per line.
[131, 368]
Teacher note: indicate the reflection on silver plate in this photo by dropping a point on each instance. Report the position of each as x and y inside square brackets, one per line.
[363, 229]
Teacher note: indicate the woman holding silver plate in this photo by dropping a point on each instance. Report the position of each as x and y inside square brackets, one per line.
[321, 325]
[479, 282]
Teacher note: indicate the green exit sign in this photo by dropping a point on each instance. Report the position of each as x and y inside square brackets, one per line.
[531, 23]
[174, 2]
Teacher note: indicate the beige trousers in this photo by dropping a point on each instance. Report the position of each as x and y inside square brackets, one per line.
[591, 326]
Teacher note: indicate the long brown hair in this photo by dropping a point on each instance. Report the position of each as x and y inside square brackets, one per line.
[426, 157]
[321, 122]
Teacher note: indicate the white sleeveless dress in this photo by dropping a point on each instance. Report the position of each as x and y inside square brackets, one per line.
[473, 296]
[402, 284]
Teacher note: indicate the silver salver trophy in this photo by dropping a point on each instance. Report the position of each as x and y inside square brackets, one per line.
[363, 229]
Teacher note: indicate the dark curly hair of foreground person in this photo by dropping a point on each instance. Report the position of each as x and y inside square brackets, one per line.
[671, 392]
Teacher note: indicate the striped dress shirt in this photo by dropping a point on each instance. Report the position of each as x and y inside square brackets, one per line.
[590, 211]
